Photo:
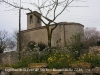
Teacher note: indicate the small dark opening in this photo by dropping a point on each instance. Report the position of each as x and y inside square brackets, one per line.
[31, 19]
[38, 20]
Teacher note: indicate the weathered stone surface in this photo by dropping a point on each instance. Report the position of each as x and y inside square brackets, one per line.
[96, 70]
[9, 58]
[68, 73]
[37, 65]
[60, 35]
[82, 65]
[34, 20]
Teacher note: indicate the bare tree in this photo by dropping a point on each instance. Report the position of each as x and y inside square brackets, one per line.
[50, 7]
[91, 36]
[5, 41]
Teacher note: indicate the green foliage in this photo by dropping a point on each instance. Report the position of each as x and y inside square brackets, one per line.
[41, 46]
[33, 58]
[31, 45]
[44, 58]
[24, 61]
[90, 58]
[4, 65]
[41, 58]
[96, 61]
[59, 60]
[75, 45]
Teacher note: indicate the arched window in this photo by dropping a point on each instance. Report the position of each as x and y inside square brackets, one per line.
[31, 19]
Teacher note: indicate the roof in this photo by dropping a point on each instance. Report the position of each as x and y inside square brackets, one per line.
[69, 23]
[33, 12]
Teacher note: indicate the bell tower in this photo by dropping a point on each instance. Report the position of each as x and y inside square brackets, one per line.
[33, 21]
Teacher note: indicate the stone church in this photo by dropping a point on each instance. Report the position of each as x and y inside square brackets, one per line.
[38, 33]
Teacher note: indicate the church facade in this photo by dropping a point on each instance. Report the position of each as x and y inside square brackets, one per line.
[38, 33]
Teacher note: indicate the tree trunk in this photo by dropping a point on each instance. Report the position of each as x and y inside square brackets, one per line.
[49, 37]
[49, 33]
[49, 40]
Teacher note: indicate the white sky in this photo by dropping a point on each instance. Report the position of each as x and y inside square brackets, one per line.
[88, 16]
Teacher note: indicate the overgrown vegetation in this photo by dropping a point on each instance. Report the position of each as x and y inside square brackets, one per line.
[60, 59]
[41, 46]
[75, 45]
[70, 56]
[31, 45]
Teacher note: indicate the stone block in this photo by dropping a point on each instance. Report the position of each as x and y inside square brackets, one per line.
[69, 73]
[37, 65]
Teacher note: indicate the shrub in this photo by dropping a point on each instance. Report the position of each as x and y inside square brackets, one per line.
[24, 61]
[41, 46]
[59, 60]
[95, 61]
[31, 45]
[90, 58]
[75, 45]
[31, 58]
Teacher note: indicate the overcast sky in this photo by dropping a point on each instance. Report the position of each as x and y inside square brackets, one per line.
[87, 16]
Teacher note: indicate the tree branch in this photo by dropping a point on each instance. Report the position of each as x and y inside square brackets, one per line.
[65, 7]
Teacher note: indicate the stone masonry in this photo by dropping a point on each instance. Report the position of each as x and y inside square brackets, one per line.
[8, 58]
[62, 33]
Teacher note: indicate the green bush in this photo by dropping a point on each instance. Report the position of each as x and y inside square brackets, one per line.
[31, 45]
[24, 61]
[75, 45]
[59, 60]
[90, 58]
[41, 46]
[95, 61]
[33, 58]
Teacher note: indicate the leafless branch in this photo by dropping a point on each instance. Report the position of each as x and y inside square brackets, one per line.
[65, 7]
[5, 41]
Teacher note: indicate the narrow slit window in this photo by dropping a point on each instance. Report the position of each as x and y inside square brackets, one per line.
[31, 19]
[38, 20]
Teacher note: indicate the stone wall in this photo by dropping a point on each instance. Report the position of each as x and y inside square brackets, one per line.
[9, 58]
[62, 33]
[73, 29]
